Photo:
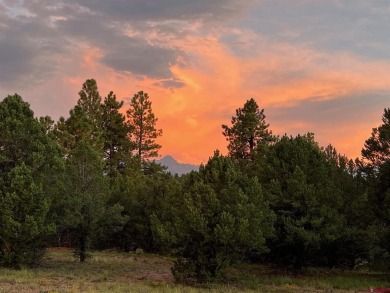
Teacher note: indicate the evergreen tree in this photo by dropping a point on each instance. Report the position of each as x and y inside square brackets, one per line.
[375, 166]
[117, 146]
[142, 195]
[90, 102]
[357, 238]
[219, 217]
[22, 138]
[47, 123]
[87, 137]
[84, 122]
[247, 132]
[376, 151]
[77, 128]
[142, 125]
[88, 215]
[23, 218]
[305, 199]
[29, 164]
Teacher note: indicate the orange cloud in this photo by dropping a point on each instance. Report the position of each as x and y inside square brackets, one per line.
[218, 80]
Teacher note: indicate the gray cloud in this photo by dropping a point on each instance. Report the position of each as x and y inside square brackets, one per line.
[28, 51]
[121, 52]
[330, 114]
[15, 58]
[170, 83]
[141, 59]
[146, 10]
[32, 42]
[357, 26]
[51, 25]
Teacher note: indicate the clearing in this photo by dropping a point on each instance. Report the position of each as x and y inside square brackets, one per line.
[111, 271]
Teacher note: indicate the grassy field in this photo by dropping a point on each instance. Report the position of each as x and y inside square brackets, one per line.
[121, 272]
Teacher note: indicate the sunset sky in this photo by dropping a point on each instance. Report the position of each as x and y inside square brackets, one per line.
[319, 66]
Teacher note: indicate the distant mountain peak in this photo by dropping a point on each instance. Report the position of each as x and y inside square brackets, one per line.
[175, 167]
[168, 158]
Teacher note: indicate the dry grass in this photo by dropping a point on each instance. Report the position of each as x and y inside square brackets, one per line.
[105, 271]
[120, 272]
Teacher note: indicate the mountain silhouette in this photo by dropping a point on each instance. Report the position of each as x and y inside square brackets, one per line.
[175, 167]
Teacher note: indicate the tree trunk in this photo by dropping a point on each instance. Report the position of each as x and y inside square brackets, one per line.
[83, 254]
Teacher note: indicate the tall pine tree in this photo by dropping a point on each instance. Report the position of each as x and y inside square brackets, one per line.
[86, 135]
[375, 166]
[142, 125]
[117, 145]
[248, 130]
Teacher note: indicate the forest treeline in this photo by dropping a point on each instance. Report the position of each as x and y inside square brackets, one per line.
[89, 182]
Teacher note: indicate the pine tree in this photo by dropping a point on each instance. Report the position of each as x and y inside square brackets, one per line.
[142, 125]
[376, 151]
[218, 218]
[305, 199]
[356, 240]
[23, 138]
[117, 145]
[84, 121]
[88, 214]
[91, 139]
[248, 130]
[23, 218]
[375, 167]
[90, 102]
[26, 148]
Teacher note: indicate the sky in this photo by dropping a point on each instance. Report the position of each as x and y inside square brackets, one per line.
[320, 66]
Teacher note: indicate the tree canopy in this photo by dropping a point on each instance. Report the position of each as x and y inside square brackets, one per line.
[376, 151]
[142, 125]
[27, 155]
[248, 130]
[220, 216]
